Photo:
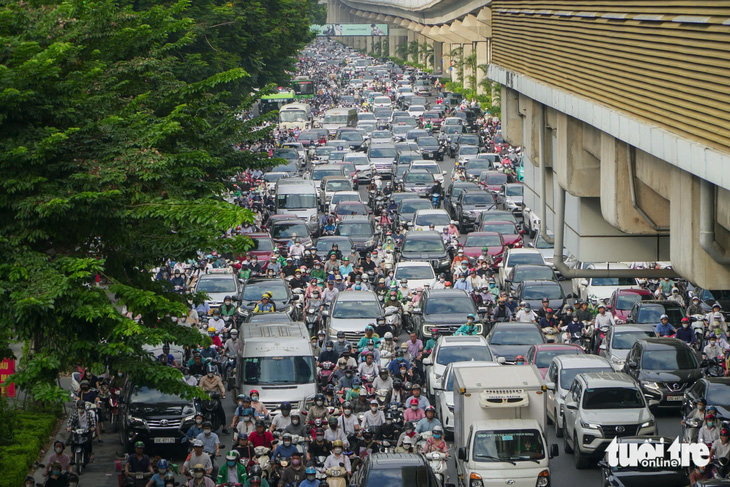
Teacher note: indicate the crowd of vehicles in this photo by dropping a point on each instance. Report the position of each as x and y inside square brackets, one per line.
[422, 307]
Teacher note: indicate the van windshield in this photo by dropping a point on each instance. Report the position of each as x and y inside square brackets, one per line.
[277, 370]
[293, 116]
[335, 119]
[508, 446]
[293, 201]
[356, 309]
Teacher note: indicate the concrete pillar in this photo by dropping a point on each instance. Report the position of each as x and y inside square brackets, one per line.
[438, 57]
[482, 49]
[369, 44]
[511, 120]
[468, 71]
[577, 167]
[411, 38]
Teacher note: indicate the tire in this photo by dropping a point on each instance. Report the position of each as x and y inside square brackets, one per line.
[79, 461]
[566, 445]
[114, 422]
[581, 461]
[558, 428]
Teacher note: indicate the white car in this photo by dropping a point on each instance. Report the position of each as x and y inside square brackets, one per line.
[362, 165]
[422, 219]
[601, 288]
[416, 111]
[444, 393]
[419, 274]
[430, 166]
[382, 101]
[517, 256]
[559, 377]
[454, 349]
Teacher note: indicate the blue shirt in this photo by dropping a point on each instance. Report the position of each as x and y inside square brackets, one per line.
[203, 308]
[394, 366]
[209, 442]
[193, 432]
[664, 330]
[284, 451]
[345, 270]
[426, 425]
[157, 480]
[465, 285]
[309, 483]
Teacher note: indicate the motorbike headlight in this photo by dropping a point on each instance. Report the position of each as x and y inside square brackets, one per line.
[444, 262]
[591, 426]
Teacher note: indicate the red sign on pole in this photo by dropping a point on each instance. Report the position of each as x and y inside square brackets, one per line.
[7, 368]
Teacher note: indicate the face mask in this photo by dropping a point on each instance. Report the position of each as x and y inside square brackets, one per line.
[348, 412]
[162, 471]
[206, 431]
[685, 325]
[247, 418]
[210, 375]
[374, 408]
[341, 340]
[199, 475]
[240, 403]
[319, 403]
[59, 450]
[310, 478]
[338, 451]
[199, 421]
[713, 343]
[407, 446]
[120, 374]
[254, 398]
[436, 435]
[320, 438]
[710, 424]
[56, 472]
[414, 407]
[287, 443]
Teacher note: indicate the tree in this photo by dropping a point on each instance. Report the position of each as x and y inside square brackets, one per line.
[427, 54]
[413, 47]
[318, 13]
[401, 50]
[112, 162]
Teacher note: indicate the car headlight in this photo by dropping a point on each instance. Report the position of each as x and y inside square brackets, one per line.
[616, 360]
[648, 424]
[650, 385]
[189, 410]
[138, 422]
[370, 243]
[591, 426]
[444, 262]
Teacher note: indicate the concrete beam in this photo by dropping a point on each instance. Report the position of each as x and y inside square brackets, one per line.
[455, 38]
[482, 50]
[457, 27]
[380, 18]
[511, 119]
[485, 16]
[472, 23]
[577, 169]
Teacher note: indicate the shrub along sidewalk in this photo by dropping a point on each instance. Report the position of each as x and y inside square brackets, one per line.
[22, 436]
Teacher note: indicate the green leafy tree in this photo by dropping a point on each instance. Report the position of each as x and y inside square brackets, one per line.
[318, 13]
[401, 50]
[112, 160]
[413, 48]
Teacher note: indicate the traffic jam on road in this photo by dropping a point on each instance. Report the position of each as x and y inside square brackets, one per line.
[398, 320]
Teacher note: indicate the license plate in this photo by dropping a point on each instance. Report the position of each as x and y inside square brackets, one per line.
[164, 440]
[675, 398]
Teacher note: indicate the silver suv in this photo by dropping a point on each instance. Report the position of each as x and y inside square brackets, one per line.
[599, 407]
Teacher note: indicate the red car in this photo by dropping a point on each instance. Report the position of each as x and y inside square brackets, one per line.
[434, 116]
[622, 300]
[493, 180]
[511, 235]
[541, 355]
[475, 241]
[263, 246]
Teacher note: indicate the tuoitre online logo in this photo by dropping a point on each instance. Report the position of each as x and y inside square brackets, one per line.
[657, 454]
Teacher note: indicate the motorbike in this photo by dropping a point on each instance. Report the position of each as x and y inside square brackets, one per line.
[137, 479]
[263, 458]
[714, 368]
[336, 476]
[437, 462]
[388, 260]
[209, 408]
[436, 200]
[392, 317]
[78, 448]
[110, 404]
[325, 372]
[691, 429]
[582, 339]
[381, 395]
[229, 365]
[312, 320]
[550, 334]
[698, 328]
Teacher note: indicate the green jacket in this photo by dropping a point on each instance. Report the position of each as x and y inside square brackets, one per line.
[242, 477]
[319, 274]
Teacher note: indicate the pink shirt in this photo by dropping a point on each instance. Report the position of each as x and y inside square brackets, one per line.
[411, 415]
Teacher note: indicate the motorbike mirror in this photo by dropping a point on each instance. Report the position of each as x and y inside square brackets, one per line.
[325, 312]
[554, 452]
[632, 364]
[461, 453]
[416, 311]
[427, 361]
[501, 360]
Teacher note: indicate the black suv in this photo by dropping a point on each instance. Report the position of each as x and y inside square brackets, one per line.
[445, 309]
[153, 417]
[425, 246]
[665, 368]
[649, 312]
[469, 205]
[391, 469]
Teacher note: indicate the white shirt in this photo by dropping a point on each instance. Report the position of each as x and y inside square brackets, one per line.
[721, 451]
[334, 461]
[373, 419]
[524, 316]
[218, 324]
[280, 421]
[348, 423]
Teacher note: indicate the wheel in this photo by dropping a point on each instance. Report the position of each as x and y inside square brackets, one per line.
[79, 461]
[581, 461]
[566, 445]
[558, 428]
[114, 422]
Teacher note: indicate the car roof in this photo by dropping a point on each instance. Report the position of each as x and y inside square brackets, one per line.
[535, 283]
[423, 235]
[661, 343]
[258, 235]
[655, 302]
[354, 218]
[445, 292]
[498, 222]
[357, 296]
[412, 264]
[397, 459]
[555, 346]
[530, 266]
[512, 325]
[642, 292]
[431, 211]
[633, 328]
[523, 251]
[607, 379]
[217, 275]
[457, 341]
[579, 361]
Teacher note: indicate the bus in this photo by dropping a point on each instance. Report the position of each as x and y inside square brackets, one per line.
[304, 87]
[295, 115]
[275, 101]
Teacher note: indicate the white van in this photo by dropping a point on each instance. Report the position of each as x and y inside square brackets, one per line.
[278, 361]
[298, 197]
[338, 118]
[295, 115]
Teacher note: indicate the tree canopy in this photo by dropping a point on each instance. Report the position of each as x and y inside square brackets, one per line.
[118, 129]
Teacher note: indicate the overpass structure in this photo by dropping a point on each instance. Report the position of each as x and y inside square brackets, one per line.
[622, 109]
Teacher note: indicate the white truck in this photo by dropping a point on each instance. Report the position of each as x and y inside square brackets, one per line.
[499, 427]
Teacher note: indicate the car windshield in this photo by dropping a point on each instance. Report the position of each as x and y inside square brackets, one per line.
[293, 116]
[544, 273]
[356, 309]
[338, 185]
[542, 244]
[272, 177]
[419, 178]
[503, 228]
[508, 446]
[286, 230]
[469, 140]
[427, 141]
[431, 168]
[457, 304]
[540, 292]
[383, 153]
[287, 168]
[225, 285]
[527, 258]
[432, 115]
[414, 205]
[320, 174]
[674, 359]
[613, 281]
[351, 136]
[477, 198]
[544, 357]
[406, 476]
[145, 395]
[451, 128]
[613, 398]
[483, 241]
[468, 150]
[338, 197]
[652, 314]
[446, 355]
[525, 335]
[365, 117]
[287, 154]
[360, 160]
[324, 151]
[355, 229]
[626, 301]
[337, 119]
[262, 244]
[436, 219]
[295, 201]
[281, 370]
[254, 290]
[381, 134]
[326, 245]
[414, 272]
[494, 179]
[626, 339]
[358, 209]
[424, 245]
[718, 394]
[401, 129]
[567, 376]
[516, 190]
[498, 216]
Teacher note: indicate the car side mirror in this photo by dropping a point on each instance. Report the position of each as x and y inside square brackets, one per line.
[501, 360]
[416, 311]
[632, 364]
[584, 282]
[550, 386]
[554, 452]
[461, 453]
[427, 361]
[602, 346]
[572, 406]
[602, 464]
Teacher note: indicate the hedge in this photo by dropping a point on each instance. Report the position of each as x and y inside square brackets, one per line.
[30, 434]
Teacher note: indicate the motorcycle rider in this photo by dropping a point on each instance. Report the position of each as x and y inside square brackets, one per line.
[232, 348]
[501, 312]
[211, 442]
[328, 355]
[429, 422]
[197, 457]
[297, 427]
[246, 425]
[582, 311]
[298, 282]
[694, 308]
[261, 437]
[437, 189]
[383, 380]
[318, 409]
[138, 462]
[567, 317]
[228, 308]
[178, 280]
[436, 443]
[575, 330]
[265, 305]
[281, 421]
[664, 328]
[709, 432]
[549, 320]
[685, 333]
[232, 471]
[294, 473]
[334, 432]
[199, 477]
[285, 449]
[158, 479]
[217, 321]
[58, 456]
[405, 443]
[397, 394]
[212, 383]
[414, 413]
[81, 419]
[196, 428]
[319, 447]
[337, 457]
[469, 328]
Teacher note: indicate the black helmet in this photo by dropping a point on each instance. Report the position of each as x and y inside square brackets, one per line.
[319, 397]
[347, 405]
[207, 424]
[329, 343]
[397, 384]
[256, 471]
[332, 421]
[260, 422]
[340, 334]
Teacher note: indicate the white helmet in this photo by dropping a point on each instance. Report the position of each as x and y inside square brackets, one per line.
[388, 336]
